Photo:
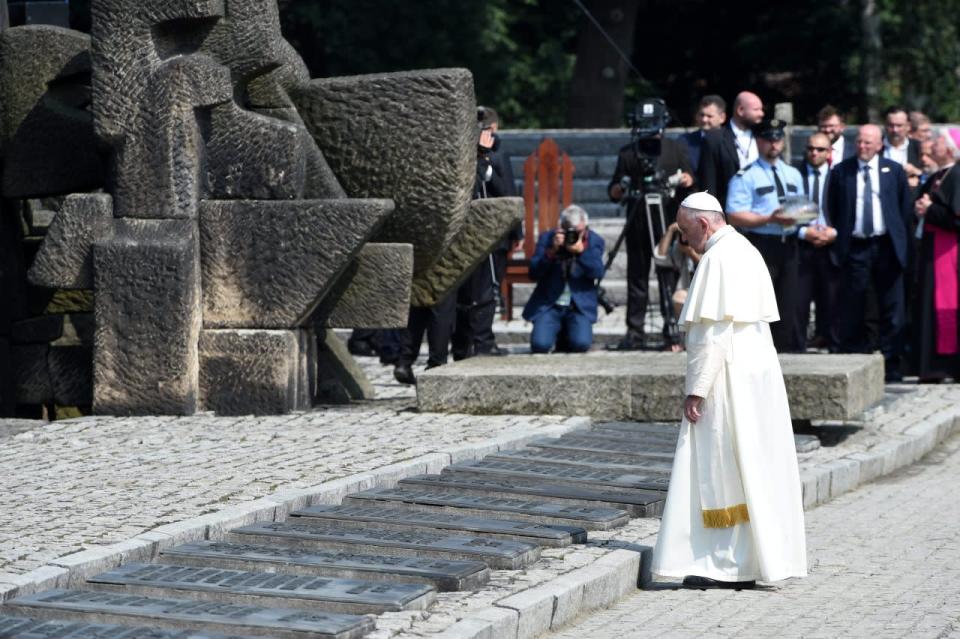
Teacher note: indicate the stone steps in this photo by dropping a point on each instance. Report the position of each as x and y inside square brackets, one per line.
[327, 568]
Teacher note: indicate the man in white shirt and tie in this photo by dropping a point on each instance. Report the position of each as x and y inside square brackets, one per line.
[900, 148]
[870, 205]
[830, 122]
[818, 277]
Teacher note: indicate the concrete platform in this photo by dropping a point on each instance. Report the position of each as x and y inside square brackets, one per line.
[635, 386]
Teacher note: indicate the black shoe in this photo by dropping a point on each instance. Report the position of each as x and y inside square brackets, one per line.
[495, 351]
[628, 343]
[361, 347]
[703, 583]
[893, 377]
[404, 374]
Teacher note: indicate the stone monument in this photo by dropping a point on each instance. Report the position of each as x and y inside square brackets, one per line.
[187, 215]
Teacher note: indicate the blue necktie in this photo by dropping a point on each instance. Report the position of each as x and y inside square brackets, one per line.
[867, 202]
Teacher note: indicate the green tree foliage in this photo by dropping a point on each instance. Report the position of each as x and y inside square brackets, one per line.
[519, 51]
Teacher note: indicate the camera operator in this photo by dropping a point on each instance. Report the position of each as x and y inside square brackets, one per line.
[673, 252]
[653, 164]
[566, 265]
[477, 296]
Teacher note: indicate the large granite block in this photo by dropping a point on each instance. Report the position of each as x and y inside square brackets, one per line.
[373, 292]
[635, 386]
[339, 378]
[246, 371]
[360, 124]
[266, 264]
[147, 319]
[486, 223]
[46, 133]
[65, 257]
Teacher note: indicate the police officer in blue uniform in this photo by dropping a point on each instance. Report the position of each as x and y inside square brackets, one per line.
[755, 199]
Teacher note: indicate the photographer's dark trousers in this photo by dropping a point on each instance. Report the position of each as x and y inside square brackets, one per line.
[476, 309]
[783, 262]
[437, 322]
[564, 327]
[639, 258]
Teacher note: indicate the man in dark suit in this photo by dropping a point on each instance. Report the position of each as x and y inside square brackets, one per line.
[818, 276]
[903, 150]
[711, 114]
[870, 203]
[830, 122]
[730, 148]
[563, 306]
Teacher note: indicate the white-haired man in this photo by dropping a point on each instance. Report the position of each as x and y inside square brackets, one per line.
[566, 266]
[733, 514]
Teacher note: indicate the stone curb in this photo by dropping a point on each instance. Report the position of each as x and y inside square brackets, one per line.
[548, 606]
[72, 570]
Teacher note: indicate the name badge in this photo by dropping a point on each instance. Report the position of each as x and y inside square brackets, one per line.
[791, 188]
[763, 190]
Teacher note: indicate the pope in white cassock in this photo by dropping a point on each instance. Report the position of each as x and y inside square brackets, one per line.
[734, 513]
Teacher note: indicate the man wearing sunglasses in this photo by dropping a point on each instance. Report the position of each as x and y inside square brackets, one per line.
[818, 275]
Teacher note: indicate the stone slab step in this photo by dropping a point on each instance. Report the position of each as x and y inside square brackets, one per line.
[260, 588]
[184, 614]
[603, 518]
[362, 515]
[638, 503]
[641, 438]
[657, 428]
[609, 447]
[640, 386]
[444, 575]
[610, 441]
[496, 553]
[562, 474]
[584, 459]
[27, 628]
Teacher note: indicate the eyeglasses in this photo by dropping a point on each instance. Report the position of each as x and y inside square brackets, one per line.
[821, 149]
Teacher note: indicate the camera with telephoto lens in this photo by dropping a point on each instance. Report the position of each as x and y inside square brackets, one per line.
[571, 235]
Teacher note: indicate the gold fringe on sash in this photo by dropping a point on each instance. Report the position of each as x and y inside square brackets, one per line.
[725, 517]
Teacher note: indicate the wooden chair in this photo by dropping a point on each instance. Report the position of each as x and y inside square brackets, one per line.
[547, 190]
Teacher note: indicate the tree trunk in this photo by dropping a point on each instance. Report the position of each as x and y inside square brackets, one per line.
[871, 50]
[600, 74]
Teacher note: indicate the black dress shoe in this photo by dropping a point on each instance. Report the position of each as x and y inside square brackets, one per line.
[703, 583]
[628, 343]
[404, 374]
[494, 351]
[361, 347]
[893, 377]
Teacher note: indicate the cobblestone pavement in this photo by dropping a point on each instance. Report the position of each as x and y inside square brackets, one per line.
[72, 485]
[883, 563]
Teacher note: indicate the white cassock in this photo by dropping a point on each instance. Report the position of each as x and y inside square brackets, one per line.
[734, 510]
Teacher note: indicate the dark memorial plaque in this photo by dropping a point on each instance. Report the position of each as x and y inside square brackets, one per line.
[181, 614]
[497, 553]
[668, 428]
[638, 503]
[404, 518]
[569, 474]
[602, 518]
[600, 461]
[601, 445]
[26, 628]
[260, 588]
[446, 575]
[660, 439]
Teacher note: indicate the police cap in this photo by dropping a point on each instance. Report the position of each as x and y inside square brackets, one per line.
[769, 129]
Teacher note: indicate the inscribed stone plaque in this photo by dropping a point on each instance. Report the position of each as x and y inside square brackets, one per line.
[600, 445]
[500, 507]
[639, 503]
[284, 623]
[26, 628]
[446, 575]
[570, 474]
[600, 461]
[509, 555]
[245, 586]
[635, 436]
[403, 518]
[669, 428]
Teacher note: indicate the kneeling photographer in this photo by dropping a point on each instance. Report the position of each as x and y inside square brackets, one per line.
[653, 174]
[566, 265]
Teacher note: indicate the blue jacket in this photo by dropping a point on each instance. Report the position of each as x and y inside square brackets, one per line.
[547, 272]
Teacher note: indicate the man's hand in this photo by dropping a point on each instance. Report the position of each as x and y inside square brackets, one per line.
[922, 204]
[686, 180]
[576, 248]
[558, 240]
[778, 217]
[693, 408]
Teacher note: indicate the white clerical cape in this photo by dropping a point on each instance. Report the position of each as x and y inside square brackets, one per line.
[734, 509]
